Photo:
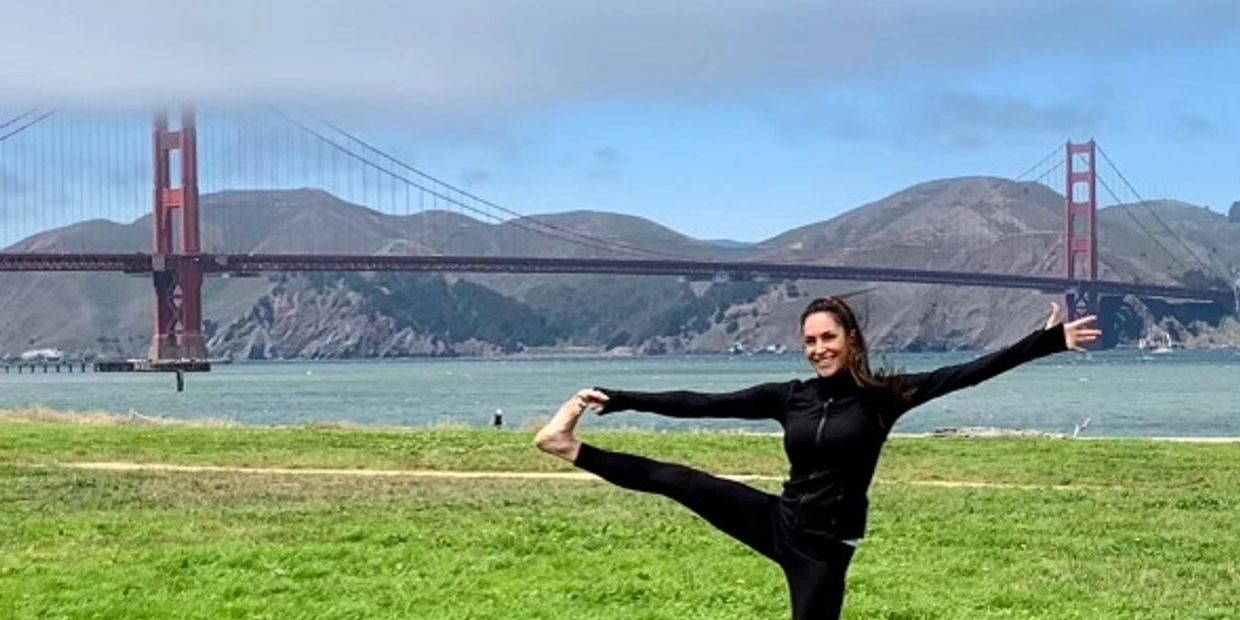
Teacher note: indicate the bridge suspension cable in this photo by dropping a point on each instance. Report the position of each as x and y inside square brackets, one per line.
[62, 167]
[1140, 224]
[1143, 202]
[1053, 170]
[1054, 153]
[25, 126]
[488, 203]
[444, 191]
[18, 118]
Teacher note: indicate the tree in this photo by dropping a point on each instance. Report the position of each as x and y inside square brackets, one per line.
[1234, 214]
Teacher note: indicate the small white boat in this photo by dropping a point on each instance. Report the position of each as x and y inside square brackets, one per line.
[42, 355]
[1156, 345]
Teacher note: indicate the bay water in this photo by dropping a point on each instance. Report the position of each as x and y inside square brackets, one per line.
[1122, 393]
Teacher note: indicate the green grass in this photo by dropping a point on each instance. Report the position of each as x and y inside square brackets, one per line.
[1148, 530]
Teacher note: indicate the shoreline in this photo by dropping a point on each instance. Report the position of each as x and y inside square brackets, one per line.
[601, 353]
[107, 419]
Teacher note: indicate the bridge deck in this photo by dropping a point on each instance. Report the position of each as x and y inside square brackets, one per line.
[253, 263]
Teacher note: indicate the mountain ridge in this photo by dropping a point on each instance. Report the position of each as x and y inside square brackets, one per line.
[968, 223]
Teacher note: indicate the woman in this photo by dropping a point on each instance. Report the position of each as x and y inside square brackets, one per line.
[834, 428]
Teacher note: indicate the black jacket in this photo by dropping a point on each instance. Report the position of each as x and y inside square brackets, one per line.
[834, 429]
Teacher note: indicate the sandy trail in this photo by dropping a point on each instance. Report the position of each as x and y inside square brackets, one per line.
[120, 466]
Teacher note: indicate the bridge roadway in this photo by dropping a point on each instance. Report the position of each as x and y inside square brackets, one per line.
[242, 264]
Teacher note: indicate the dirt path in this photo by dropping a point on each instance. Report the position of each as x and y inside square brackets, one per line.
[512, 475]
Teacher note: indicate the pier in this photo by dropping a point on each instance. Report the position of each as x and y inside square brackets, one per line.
[144, 365]
[180, 367]
[82, 366]
[44, 366]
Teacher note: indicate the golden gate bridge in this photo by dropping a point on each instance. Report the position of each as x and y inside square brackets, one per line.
[65, 170]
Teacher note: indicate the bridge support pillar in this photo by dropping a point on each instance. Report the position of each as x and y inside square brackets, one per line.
[178, 283]
[1079, 302]
[178, 325]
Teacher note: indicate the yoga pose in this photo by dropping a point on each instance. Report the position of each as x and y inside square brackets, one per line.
[834, 428]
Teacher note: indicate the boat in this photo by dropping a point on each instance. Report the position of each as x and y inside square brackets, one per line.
[772, 349]
[1156, 344]
[42, 355]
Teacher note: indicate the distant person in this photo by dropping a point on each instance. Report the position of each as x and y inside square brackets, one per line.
[834, 428]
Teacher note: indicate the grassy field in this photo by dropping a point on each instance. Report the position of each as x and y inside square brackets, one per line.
[1098, 529]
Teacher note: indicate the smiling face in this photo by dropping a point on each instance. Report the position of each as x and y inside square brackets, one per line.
[826, 343]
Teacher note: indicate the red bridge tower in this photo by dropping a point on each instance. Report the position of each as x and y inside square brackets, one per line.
[178, 284]
[1081, 228]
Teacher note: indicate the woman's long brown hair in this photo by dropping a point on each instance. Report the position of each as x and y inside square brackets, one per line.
[884, 381]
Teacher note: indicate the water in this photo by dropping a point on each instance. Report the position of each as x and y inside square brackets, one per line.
[1125, 393]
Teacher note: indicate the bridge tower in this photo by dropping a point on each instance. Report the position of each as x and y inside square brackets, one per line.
[178, 284]
[1081, 229]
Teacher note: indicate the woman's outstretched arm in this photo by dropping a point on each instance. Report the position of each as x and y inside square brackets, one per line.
[1056, 337]
[761, 402]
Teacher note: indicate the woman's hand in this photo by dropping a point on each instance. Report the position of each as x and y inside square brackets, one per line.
[588, 399]
[1077, 333]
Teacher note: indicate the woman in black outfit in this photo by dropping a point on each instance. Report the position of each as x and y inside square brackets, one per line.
[834, 428]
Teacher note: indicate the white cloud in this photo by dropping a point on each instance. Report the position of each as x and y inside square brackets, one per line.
[484, 61]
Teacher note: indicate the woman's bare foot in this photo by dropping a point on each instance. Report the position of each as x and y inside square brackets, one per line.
[556, 438]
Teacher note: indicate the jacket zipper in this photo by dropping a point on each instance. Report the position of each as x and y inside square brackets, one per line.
[822, 422]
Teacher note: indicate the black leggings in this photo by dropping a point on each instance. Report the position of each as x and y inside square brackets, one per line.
[815, 575]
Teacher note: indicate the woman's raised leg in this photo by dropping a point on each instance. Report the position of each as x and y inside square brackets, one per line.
[738, 510]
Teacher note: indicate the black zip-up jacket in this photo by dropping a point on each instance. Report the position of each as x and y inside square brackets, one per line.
[834, 429]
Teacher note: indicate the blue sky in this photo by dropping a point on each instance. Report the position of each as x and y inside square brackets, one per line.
[721, 120]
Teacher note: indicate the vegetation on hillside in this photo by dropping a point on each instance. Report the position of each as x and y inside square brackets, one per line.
[612, 312]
